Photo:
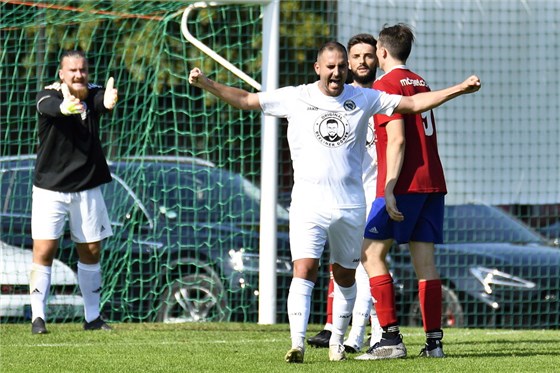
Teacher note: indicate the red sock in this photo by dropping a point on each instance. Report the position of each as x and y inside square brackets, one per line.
[429, 293]
[330, 297]
[384, 293]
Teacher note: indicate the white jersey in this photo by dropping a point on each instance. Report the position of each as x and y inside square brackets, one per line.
[369, 166]
[327, 138]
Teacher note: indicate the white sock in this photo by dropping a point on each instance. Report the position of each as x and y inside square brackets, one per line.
[362, 307]
[343, 303]
[89, 279]
[39, 287]
[299, 307]
[376, 329]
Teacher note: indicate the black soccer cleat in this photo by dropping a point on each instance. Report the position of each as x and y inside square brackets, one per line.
[321, 340]
[97, 324]
[38, 326]
[351, 349]
[433, 348]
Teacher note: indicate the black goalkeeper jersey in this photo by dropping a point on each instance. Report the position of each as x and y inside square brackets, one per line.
[69, 156]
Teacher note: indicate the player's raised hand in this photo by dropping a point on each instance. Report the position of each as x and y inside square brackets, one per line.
[197, 78]
[70, 105]
[471, 84]
[111, 94]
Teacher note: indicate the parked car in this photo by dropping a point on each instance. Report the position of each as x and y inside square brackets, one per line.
[495, 271]
[552, 232]
[64, 301]
[186, 242]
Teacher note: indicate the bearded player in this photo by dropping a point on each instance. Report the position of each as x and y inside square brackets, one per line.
[69, 170]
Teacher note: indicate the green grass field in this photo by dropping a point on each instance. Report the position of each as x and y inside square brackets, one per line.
[232, 347]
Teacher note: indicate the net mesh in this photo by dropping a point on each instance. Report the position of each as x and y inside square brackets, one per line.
[184, 199]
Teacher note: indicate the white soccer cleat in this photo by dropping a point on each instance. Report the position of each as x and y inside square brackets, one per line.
[385, 349]
[337, 353]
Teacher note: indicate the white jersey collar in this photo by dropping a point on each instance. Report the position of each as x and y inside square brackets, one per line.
[393, 68]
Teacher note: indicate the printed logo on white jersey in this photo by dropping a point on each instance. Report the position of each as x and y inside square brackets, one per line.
[331, 129]
[370, 137]
[314, 108]
[349, 105]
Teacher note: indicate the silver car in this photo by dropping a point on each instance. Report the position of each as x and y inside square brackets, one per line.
[63, 303]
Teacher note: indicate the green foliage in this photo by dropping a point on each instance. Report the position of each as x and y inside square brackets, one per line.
[215, 347]
[145, 35]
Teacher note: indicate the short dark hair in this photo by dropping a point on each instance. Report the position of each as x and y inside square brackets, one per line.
[361, 39]
[72, 54]
[330, 46]
[397, 40]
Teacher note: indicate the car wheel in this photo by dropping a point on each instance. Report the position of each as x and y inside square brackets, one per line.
[193, 298]
[452, 315]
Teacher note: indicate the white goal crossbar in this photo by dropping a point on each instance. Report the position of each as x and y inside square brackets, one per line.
[204, 48]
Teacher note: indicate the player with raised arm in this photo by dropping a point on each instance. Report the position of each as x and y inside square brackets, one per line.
[327, 196]
[362, 63]
[69, 170]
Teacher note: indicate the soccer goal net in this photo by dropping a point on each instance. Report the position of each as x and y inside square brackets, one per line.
[188, 238]
[185, 196]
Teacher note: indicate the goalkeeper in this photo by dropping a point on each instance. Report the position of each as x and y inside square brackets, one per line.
[69, 170]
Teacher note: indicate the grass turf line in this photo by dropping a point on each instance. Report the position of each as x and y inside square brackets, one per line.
[241, 347]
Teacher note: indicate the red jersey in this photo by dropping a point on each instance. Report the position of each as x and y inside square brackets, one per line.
[421, 171]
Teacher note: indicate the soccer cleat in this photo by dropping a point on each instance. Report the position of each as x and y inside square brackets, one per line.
[38, 326]
[97, 324]
[295, 355]
[353, 344]
[337, 353]
[433, 348]
[321, 340]
[385, 349]
[351, 348]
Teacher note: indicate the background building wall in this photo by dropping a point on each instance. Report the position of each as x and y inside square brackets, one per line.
[500, 145]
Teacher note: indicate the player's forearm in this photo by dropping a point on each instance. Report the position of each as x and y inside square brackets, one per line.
[428, 100]
[49, 105]
[425, 101]
[395, 158]
[235, 97]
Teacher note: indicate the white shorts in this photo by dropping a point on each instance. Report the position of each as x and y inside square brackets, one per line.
[86, 213]
[310, 228]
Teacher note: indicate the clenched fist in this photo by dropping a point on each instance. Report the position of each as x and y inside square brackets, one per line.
[197, 78]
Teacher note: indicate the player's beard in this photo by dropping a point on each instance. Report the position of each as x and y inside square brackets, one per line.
[367, 79]
[80, 93]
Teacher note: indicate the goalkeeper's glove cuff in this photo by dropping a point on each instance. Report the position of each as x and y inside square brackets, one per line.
[69, 108]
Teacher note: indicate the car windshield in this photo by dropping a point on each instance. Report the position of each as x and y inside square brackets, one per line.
[122, 203]
[191, 192]
[15, 191]
[482, 223]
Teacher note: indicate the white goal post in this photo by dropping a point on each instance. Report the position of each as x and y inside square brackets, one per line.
[269, 143]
